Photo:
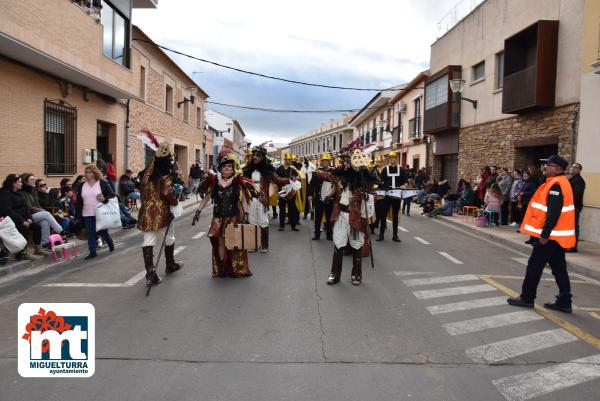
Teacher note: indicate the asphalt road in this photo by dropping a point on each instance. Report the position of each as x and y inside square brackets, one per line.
[407, 333]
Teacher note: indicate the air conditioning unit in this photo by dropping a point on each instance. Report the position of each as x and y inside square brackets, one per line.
[402, 107]
[89, 156]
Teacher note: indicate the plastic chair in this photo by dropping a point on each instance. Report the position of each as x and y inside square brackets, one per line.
[57, 243]
[490, 217]
[467, 211]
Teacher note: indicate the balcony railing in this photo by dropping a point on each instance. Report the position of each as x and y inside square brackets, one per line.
[414, 128]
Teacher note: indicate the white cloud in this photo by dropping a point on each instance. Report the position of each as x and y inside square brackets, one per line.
[346, 43]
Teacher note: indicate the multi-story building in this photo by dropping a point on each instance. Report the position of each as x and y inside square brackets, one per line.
[169, 103]
[227, 132]
[407, 121]
[66, 74]
[373, 123]
[588, 135]
[520, 61]
[330, 137]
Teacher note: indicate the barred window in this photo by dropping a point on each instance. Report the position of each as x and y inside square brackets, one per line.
[60, 132]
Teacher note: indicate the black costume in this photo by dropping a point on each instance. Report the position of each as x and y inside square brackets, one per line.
[393, 177]
[292, 211]
[323, 203]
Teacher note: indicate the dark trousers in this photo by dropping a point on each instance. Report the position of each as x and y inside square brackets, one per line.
[34, 229]
[307, 207]
[515, 213]
[553, 254]
[287, 208]
[321, 208]
[395, 205]
[577, 213]
[406, 205]
[92, 235]
[504, 212]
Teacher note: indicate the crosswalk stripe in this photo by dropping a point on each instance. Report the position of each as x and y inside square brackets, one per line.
[501, 350]
[403, 229]
[200, 234]
[444, 292]
[439, 280]
[466, 305]
[179, 249]
[491, 322]
[422, 241]
[451, 258]
[401, 273]
[546, 380]
[135, 279]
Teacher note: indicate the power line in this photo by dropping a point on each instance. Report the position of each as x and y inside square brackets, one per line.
[282, 110]
[264, 75]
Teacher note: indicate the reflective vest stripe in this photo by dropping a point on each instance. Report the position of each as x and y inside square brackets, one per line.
[545, 208]
[556, 233]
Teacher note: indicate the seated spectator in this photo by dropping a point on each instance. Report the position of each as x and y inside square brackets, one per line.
[66, 182]
[42, 194]
[445, 210]
[428, 205]
[468, 196]
[127, 187]
[13, 205]
[66, 221]
[493, 200]
[443, 189]
[66, 200]
[38, 214]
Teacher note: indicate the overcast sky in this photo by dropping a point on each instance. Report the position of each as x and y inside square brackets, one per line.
[372, 44]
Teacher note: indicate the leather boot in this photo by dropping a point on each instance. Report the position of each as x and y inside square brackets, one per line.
[395, 237]
[336, 266]
[380, 237]
[172, 266]
[151, 276]
[264, 239]
[356, 266]
[38, 250]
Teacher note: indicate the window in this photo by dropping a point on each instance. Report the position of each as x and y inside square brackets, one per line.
[115, 34]
[334, 148]
[143, 82]
[499, 70]
[198, 158]
[148, 155]
[169, 99]
[478, 72]
[198, 116]
[186, 111]
[340, 141]
[60, 131]
[436, 92]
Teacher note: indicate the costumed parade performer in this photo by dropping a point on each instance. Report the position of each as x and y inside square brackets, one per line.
[230, 194]
[322, 194]
[350, 213]
[380, 204]
[393, 177]
[287, 207]
[155, 218]
[262, 174]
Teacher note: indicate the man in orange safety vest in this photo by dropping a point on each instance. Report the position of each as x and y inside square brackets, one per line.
[550, 221]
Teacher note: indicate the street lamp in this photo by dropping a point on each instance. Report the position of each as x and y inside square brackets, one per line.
[192, 90]
[457, 86]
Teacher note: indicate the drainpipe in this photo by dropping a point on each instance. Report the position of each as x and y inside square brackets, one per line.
[127, 127]
[573, 134]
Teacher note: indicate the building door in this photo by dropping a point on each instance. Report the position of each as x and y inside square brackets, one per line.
[531, 155]
[106, 139]
[416, 162]
[450, 170]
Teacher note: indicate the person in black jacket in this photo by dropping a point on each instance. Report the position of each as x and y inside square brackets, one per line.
[322, 193]
[578, 185]
[12, 204]
[89, 193]
[287, 208]
[529, 188]
[393, 177]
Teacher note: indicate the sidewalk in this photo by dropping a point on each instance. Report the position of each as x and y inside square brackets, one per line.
[12, 266]
[586, 261]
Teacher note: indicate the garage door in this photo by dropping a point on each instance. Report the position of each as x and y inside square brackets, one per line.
[450, 170]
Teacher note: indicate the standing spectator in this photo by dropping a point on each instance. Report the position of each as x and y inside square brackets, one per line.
[515, 189]
[406, 202]
[460, 187]
[504, 181]
[101, 165]
[420, 178]
[111, 172]
[38, 214]
[493, 200]
[12, 204]
[487, 172]
[195, 176]
[529, 188]
[89, 194]
[127, 186]
[492, 177]
[578, 185]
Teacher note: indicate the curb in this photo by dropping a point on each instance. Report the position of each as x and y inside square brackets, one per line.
[518, 245]
[13, 266]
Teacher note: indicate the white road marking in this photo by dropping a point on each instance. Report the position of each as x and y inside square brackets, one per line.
[501, 350]
[422, 241]
[451, 258]
[466, 305]
[546, 380]
[401, 273]
[179, 249]
[200, 234]
[402, 229]
[83, 285]
[491, 322]
[522, 261]
[439, 280]
[131, 282]
[445, 292]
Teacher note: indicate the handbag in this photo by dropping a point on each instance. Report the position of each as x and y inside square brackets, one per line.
[108, 215]
[177, 210]
[12, 238]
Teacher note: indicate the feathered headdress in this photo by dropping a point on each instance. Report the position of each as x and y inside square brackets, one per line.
[148, 138]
